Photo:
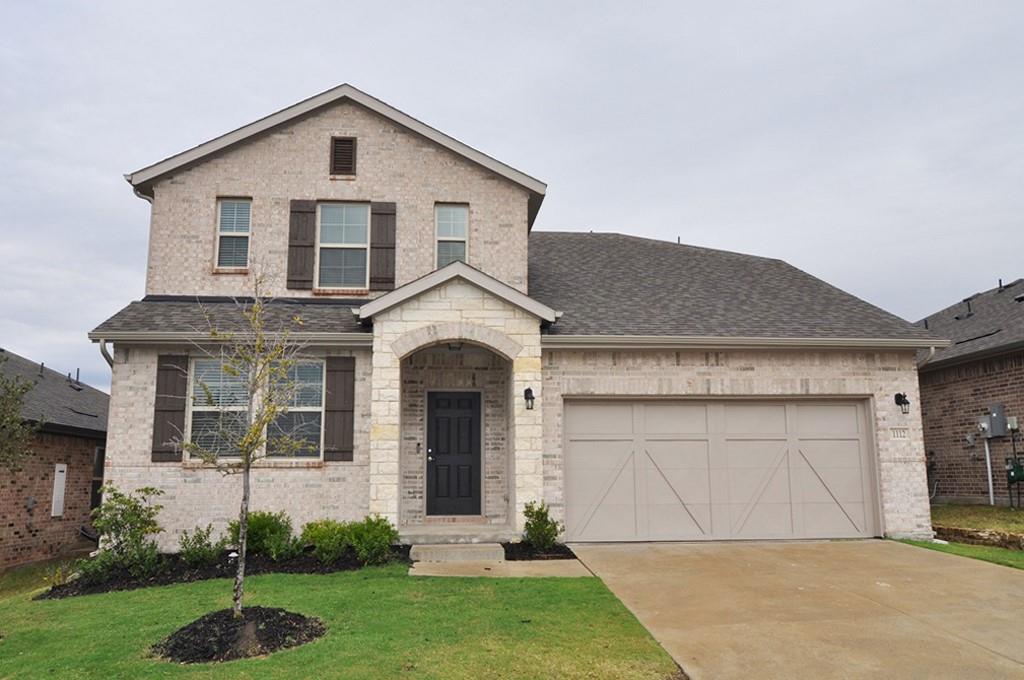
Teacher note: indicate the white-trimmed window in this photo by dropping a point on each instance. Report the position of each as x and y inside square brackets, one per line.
[452, 225]
[343, 246]
[233, 218]
[305, 417]
[218, 407]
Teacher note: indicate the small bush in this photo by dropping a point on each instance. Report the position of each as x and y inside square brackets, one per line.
[372, 539]
[99, 569]
[198, 550]
[541, 531]
[330, 539]
[125, 523]
[58, 573]
[269, 533]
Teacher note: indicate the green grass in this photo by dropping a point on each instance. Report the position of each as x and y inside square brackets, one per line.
[381, 624]
[997, 517]
[26, 579]
[1003, 556]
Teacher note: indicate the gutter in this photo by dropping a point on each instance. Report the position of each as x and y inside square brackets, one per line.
[713, 342]
[173, 337]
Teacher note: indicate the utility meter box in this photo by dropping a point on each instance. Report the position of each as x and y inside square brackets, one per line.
[996, 421]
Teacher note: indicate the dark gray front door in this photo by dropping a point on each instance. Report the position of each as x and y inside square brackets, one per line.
[453, 453]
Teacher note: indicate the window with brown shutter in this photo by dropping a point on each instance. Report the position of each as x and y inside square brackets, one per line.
[343, 155]
[169, 408]
[301, 244]
[382, 246]
[339, 409]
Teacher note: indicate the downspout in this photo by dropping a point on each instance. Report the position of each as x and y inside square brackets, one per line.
[931, 354]
[106, 353]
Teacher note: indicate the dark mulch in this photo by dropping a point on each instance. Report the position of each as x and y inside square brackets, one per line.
[174, 570]
[221, 637]
[515, 552]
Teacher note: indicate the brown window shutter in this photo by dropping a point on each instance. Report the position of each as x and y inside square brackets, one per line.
[301, 245]
[382, 246]
[343, 155]
[169, 408]
[339, 408]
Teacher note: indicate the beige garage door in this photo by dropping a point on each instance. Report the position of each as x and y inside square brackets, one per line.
[689, 470]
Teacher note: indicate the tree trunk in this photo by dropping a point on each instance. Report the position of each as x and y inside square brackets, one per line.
[243, 531]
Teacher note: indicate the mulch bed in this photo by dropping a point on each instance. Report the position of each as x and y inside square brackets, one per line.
[999, 539]
[174, 570]
[221, 637]
[518, 552]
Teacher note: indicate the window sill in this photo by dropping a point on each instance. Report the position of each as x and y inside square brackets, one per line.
[230, 271]
[342, 178]
[341, 291]
[261, 464]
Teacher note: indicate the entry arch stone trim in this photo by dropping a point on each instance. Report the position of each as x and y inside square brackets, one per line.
[436, 334]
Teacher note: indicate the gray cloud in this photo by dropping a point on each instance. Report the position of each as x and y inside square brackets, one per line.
[876, 145]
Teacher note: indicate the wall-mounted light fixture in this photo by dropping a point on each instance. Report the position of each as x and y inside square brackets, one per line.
[903, 402]
[528, 396]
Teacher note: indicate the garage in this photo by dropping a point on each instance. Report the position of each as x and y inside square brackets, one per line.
[652, 470]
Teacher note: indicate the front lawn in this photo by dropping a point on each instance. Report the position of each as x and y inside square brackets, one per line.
[997, 518]
[1003, 556]
[380, 624]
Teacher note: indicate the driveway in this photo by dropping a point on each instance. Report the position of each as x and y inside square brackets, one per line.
[844, 609]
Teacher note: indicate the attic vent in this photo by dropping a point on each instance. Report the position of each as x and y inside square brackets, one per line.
[343, 155]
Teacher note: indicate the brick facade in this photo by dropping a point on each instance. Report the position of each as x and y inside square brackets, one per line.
[952, 400]
[875, 376]
[31, 535]
[394, 165]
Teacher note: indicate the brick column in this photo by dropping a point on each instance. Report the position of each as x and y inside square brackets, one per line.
[527, 430]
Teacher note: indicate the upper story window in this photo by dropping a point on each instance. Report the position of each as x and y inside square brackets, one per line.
[343, 155]
[452, 233]
[343, 245]
[233, 217]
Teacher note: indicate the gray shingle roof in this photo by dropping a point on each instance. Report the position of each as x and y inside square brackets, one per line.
[612, 284]
[994, 323]
[59, 402]
[179, 314]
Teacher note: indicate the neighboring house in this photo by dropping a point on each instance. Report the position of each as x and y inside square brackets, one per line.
[45, 503]
[983, 367]
[462, 366]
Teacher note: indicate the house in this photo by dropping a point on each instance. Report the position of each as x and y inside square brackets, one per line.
[49, 498]
[983, 367]
[464, 365]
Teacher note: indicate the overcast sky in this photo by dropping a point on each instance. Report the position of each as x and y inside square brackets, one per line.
[877, 145]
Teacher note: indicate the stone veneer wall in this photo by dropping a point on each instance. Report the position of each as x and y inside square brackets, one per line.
[456, 310]
[291, 162]
[196, 496]
[33, 535]
[468, 369]
[879, 375]
[952, 400]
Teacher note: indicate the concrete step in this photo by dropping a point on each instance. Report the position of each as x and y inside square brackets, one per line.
[457, 552]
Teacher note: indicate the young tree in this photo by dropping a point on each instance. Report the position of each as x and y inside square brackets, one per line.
[16, 433]
[245, 383]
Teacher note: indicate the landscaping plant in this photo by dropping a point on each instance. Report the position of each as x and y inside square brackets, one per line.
[267, 531]
[330, 539]
[541, 531]
[254, 386]
[372, 539]
[198, 550]
[125, 523]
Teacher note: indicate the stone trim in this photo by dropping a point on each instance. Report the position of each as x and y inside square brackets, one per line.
[460, 331]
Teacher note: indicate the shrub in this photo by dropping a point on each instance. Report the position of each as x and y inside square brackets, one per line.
[97, 569]
[372, 539]
[270, 533]
[198, 550]
[330, 539]
[125, 523]
[541, 531]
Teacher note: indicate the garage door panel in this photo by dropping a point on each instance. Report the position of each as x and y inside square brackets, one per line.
[744, 418]
[718, 470]
[674, 418]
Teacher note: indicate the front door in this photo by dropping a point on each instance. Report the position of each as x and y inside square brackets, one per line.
[453, 453]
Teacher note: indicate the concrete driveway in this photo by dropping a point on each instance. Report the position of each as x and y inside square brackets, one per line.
[844, 609]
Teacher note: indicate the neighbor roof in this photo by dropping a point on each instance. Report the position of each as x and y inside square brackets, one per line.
[191, 318]
[617, 285]
[984, 324]
[143, 178]
[63, 404]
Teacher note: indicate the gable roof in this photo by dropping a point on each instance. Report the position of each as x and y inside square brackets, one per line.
[143, 178]
[457, 270]
[611, 286]
[986, 323]
[63, 405]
